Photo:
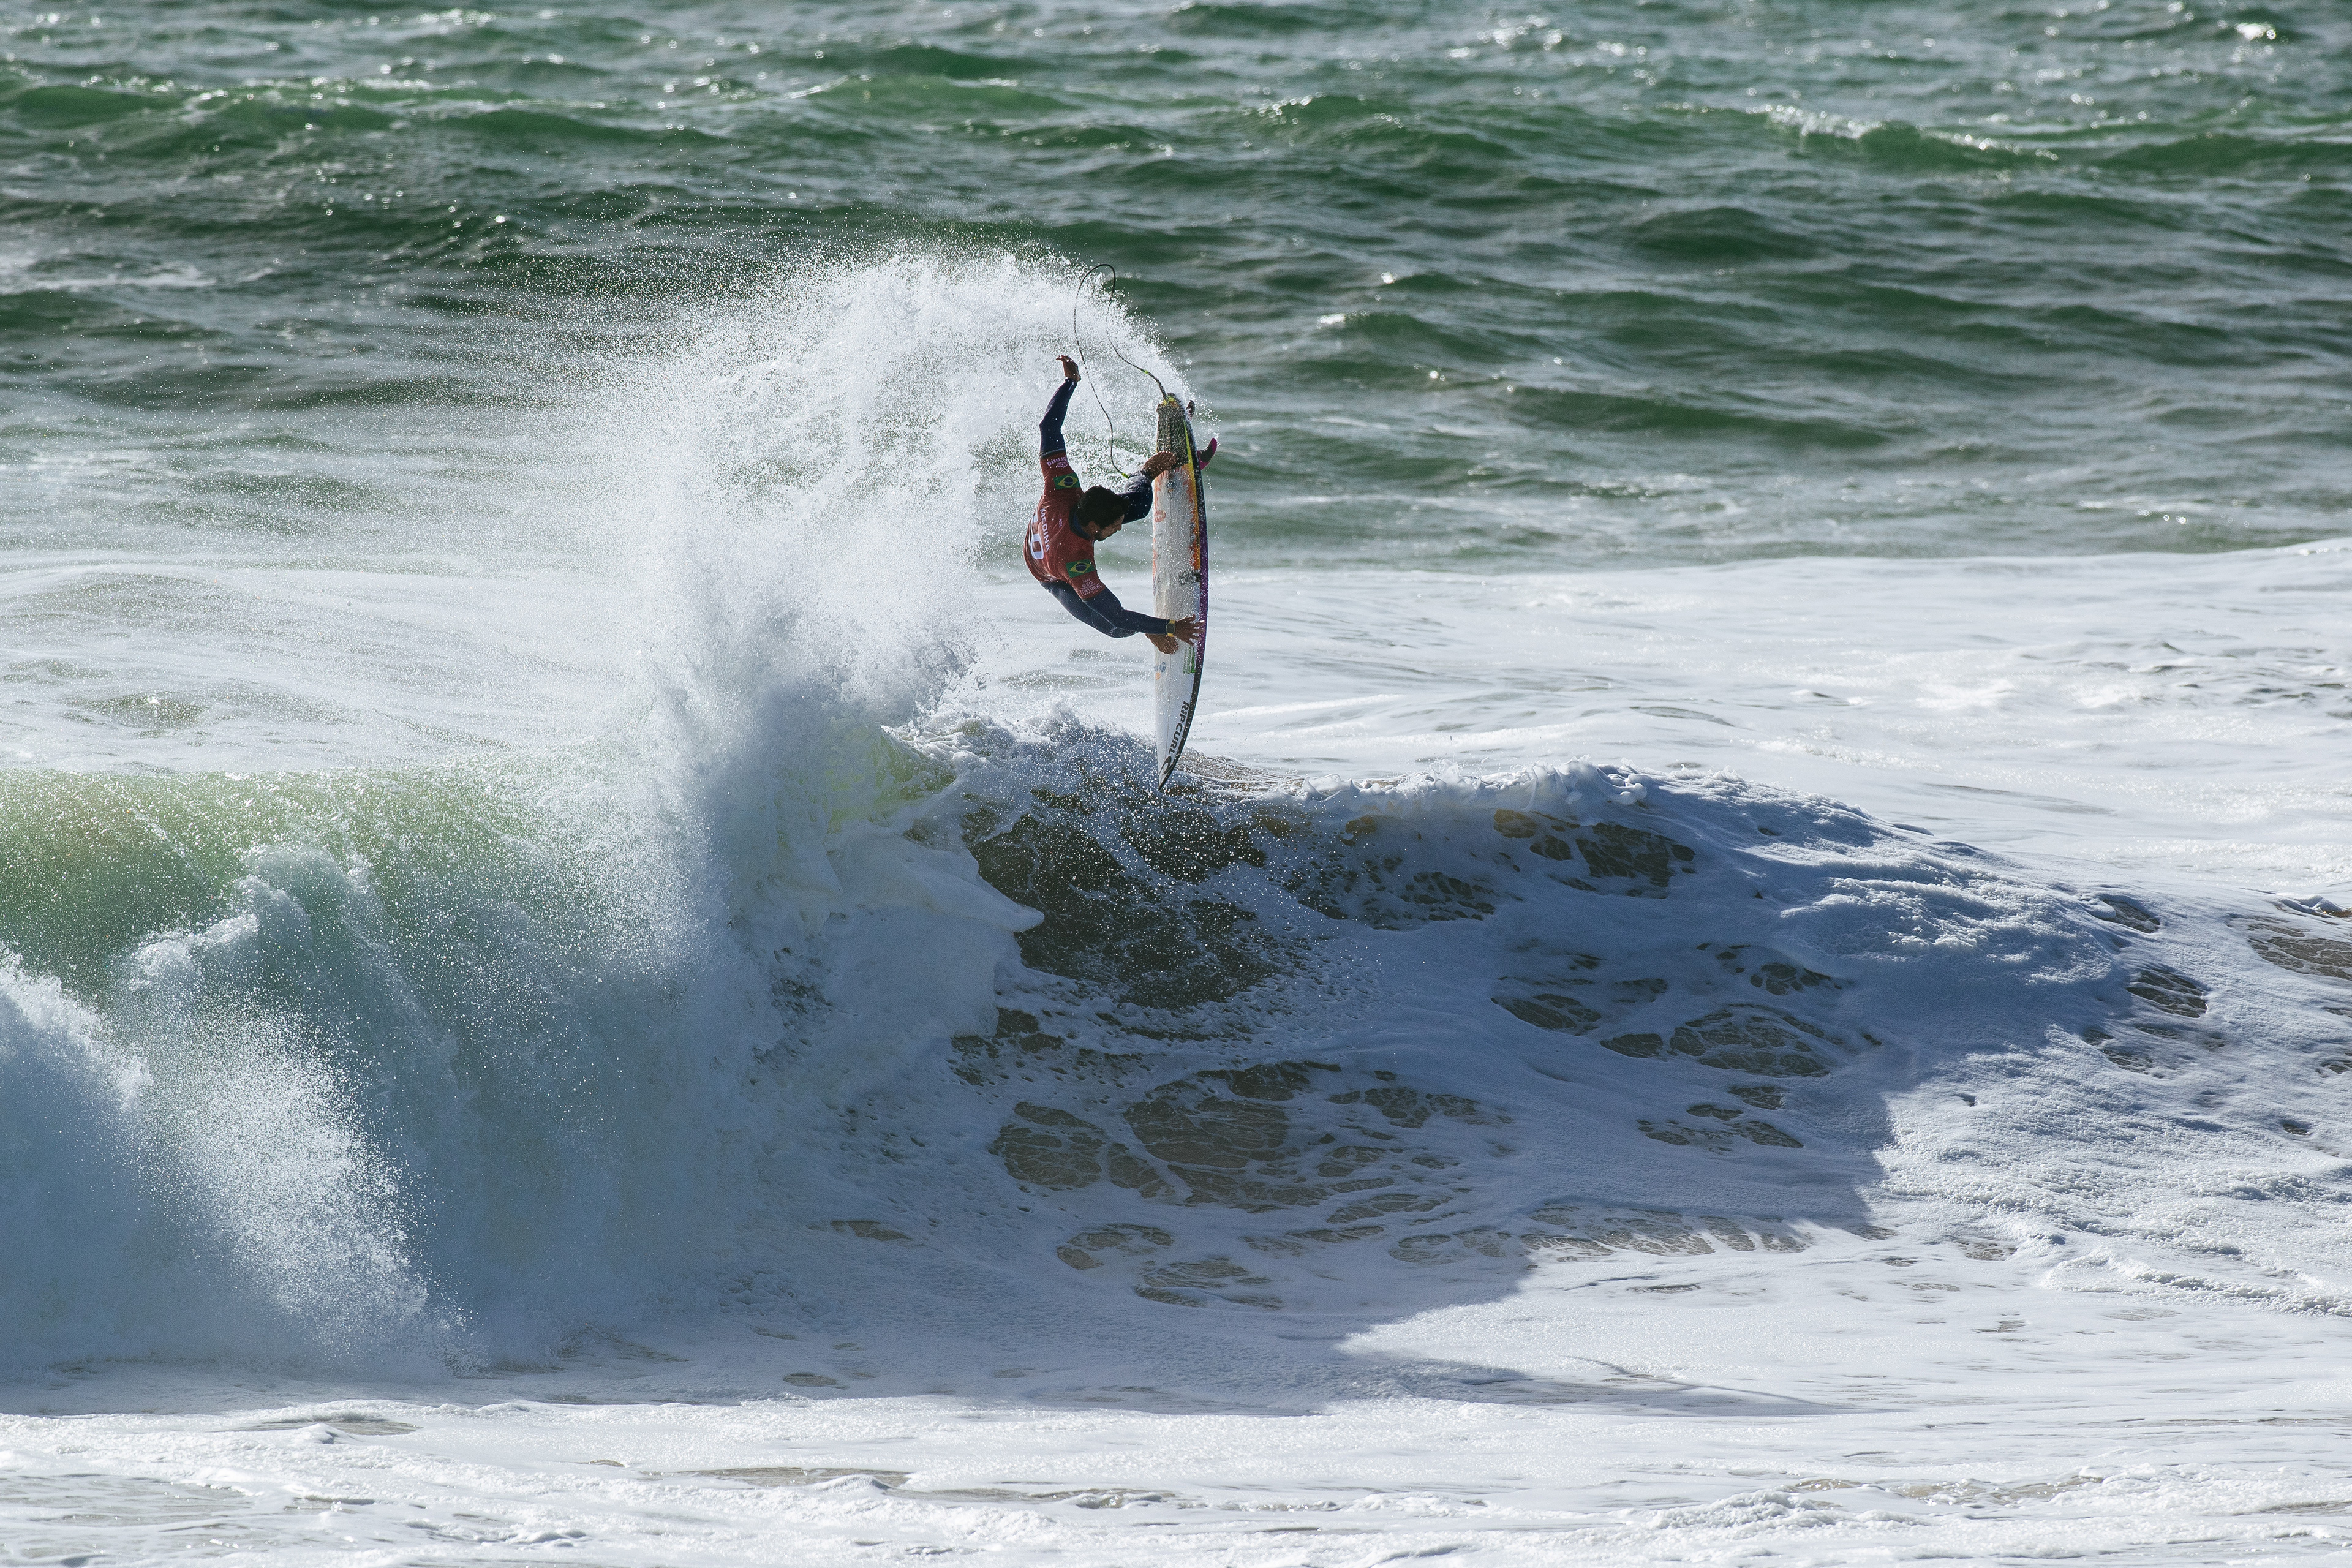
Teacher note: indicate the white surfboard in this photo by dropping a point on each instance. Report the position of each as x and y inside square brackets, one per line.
[1180, 583]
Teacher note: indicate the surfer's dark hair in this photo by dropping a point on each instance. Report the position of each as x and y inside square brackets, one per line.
[1099, 505]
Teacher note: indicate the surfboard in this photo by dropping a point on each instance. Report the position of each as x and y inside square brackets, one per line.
[1180, 583]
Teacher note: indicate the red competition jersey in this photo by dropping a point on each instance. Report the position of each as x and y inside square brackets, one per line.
[1055, 554]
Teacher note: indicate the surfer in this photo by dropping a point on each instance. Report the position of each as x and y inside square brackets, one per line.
[1072, 520]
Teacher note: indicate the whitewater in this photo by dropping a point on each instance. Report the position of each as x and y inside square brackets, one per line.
[1739, 968]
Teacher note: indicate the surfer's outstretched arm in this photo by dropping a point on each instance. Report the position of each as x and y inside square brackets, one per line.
[1137, 492]
[1106, 614]
[1113, 619]
[1136, 495]
[1049, 430]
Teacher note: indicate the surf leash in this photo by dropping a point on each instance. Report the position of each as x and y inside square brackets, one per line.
[1079, 343]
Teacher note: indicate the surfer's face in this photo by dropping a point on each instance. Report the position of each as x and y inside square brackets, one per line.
[1098, 531]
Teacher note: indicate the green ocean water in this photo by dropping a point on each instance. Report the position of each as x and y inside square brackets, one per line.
[1618, 283]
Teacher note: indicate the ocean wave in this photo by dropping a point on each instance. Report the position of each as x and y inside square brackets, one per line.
[2232, 152]
[62, 106]
[1896, 146]
[1717, 234]
[426, 1079]
[1728, 411]
[536, 127]
[817, 972]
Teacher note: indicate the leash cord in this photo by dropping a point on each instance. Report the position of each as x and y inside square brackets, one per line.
[1079, 343]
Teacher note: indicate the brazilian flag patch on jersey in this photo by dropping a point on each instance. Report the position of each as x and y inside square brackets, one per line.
[1065, 481]
[1079, 568]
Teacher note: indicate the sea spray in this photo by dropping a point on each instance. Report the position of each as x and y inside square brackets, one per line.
[70, 1155]
[390, 1069]
[820, 472]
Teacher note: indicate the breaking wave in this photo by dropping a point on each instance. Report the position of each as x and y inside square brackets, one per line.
[820, 974]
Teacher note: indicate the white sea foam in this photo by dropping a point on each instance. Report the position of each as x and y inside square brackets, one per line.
[2154, 713]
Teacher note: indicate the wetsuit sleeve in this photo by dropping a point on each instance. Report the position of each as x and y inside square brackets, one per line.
[1049, 430]
[1106, 604]
[1136, 493]
[1106, 614]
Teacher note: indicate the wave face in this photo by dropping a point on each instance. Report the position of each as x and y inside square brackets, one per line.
[417, 1071]
[444, 1076]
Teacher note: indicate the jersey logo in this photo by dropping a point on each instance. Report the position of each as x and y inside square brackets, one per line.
[1079, 568]
[1065, 481]
[1036, 547]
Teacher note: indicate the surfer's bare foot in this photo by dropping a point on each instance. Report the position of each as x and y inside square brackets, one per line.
[1069, 368]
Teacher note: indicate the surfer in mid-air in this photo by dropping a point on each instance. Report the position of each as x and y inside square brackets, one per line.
[1072, 520]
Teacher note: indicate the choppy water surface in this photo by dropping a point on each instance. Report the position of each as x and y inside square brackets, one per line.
[584, 965]
[1626, 283]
